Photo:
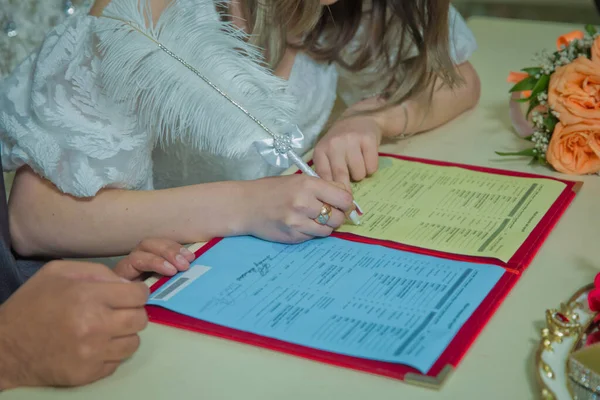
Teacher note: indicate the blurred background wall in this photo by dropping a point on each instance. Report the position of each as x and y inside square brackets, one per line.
[573, 11]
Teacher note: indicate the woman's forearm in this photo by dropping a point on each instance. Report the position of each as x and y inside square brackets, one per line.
[422, 112]
[46, 222]
[425, 113]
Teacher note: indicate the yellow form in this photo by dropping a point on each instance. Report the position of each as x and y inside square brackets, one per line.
[451, 209]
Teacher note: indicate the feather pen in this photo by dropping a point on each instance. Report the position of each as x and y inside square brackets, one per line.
[154, 70]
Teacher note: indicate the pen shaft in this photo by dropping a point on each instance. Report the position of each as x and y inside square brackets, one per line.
[304, 167]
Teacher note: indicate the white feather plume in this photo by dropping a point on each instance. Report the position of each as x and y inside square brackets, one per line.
[170, 100]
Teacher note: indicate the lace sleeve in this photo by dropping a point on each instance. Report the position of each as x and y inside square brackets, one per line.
[355, 86]
[54, 118]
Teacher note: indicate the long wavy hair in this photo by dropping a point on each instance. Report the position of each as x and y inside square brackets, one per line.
[405, 41]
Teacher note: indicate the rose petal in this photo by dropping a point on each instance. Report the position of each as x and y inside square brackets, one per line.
[592, 338]
[597, 281]
[594, 299]
[572, 149]
[574, 92]
[596, 50]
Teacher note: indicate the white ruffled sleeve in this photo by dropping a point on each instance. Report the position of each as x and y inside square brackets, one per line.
[462, 46]
[55, 118]
[462, 41]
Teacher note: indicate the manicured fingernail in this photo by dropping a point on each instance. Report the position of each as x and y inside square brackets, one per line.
[360, 211]
[354, 218]
[170, 268]
[182, 261]
[125, 280]
[185, 252]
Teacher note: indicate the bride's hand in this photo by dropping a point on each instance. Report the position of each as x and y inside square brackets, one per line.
[285, 209]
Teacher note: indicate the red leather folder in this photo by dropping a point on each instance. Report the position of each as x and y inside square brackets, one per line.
[457, 348]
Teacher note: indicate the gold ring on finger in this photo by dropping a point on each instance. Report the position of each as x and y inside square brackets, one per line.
[324, 215]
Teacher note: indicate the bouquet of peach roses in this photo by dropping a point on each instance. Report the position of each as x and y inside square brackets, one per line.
[562, 96]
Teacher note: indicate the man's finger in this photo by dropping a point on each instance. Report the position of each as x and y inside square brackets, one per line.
[125, 322]
[125, 295]
[80, 270]
[140, 261]
[106, 370]
[170, 250]
[122, 348]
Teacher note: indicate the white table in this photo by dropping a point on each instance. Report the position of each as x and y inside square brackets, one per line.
[175, 364]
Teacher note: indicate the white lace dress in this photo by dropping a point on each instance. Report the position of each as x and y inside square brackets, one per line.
[55, 118]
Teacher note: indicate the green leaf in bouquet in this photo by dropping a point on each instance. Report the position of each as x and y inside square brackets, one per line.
[591, 29]
[532, 104]
[526, 84]
[532, 71]
[539, 160]
[541, 85]
[526, 153]
[550, 122]
[523, 100]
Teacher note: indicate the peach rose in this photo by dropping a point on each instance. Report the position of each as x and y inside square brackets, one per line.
[574, 92]
[575, 149]
[596, 50]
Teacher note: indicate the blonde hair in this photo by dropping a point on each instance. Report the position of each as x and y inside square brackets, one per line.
[415, 31]
[272, 22]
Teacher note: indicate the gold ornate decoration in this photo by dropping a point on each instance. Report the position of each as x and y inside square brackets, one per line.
[561, 323]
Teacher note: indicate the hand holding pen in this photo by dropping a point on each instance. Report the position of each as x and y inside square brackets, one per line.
[291, 208]
[326, 209]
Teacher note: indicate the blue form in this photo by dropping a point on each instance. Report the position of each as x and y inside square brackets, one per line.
[330, 294]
